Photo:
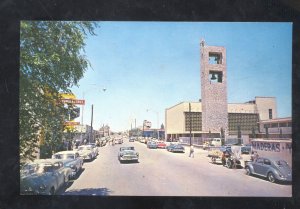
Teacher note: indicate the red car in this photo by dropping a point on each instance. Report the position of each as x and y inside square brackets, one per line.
[161, 145]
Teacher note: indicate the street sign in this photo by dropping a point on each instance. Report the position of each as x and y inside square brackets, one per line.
[71, 123]
[73, 101]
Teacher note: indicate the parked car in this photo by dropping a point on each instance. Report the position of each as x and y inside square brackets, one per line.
[48, 177]
[95, 148]
[86, 152]
[177, 148]
[161, 145]
[170, 147]
[151, 145]
[128, 154]
[27, 169]
[216, 142]
[70, 159]
[272, 169]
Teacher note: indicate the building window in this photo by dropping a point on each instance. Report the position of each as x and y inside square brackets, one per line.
[215, 76]
[245, 120]
[270, 114]
[215, 58]
[196, 122]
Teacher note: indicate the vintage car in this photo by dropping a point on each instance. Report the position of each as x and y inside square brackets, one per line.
[70, 159]
[272, 169]
[151, 145]
[48, 177]
[96, 150]
[161, 145]
[128, 154]
[177, 148]
[170, 147]
[86, 152]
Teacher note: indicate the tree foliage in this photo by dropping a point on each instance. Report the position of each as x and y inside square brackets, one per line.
[52, 60]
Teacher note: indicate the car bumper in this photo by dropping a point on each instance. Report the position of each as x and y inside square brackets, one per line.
[286, 179]
[177, 150]
[86, 157]
[128, 158]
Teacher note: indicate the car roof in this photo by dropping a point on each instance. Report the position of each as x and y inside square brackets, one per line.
[48, 160]
[66, 152]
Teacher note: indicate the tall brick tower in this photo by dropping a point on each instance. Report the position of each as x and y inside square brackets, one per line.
[214, 89]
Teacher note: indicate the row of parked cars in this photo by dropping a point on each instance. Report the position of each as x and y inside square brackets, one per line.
[47, 176]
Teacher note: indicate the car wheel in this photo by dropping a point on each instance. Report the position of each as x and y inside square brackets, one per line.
[248, 172]
[271, 177]
[229, 164]
[52, 191]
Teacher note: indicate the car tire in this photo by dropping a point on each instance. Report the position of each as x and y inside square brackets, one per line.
[229, 164]
[271, 177]
[248, 171]
[52, 191]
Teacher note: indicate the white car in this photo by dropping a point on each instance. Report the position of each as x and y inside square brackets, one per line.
[96, 150]
[70, 159]
[86, 152]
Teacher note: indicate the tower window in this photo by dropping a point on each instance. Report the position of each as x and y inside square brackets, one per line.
[270, 114]
[215, 58]
[215, 76]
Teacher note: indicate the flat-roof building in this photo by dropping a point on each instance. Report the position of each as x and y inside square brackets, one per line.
[212, 116]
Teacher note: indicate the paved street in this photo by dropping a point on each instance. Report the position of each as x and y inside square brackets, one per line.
[161, 173]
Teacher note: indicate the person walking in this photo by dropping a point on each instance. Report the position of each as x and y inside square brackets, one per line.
[191, 151]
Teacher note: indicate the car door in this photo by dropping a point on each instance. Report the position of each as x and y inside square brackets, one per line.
[59, 169]
[266, 166]
[258, 166]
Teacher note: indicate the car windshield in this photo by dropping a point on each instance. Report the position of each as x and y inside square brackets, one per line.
[64, 156]
[126, 148]
[43, 168]
[245, 150]
[84, 148]
[128, 152]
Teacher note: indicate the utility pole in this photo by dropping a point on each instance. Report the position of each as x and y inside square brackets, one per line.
[91, 135]
[190, 116]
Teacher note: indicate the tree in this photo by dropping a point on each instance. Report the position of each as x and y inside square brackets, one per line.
[52, 60]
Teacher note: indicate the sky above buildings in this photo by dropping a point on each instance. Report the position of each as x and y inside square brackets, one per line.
[147, 67]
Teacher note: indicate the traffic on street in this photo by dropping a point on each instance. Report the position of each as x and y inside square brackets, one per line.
[159, 172]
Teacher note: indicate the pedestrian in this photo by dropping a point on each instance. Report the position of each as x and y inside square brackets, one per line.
[191, 151]
[224, 158]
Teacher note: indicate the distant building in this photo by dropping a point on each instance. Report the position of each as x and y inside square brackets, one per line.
[246, 115]
[212, 116]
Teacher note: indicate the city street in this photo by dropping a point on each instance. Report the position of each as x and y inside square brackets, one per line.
[161, 173]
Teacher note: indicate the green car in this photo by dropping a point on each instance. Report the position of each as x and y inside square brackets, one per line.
[48, 176]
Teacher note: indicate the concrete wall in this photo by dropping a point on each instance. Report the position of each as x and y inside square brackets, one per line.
[264, 104]
[175, 119]
[281, 149]
[241, 108]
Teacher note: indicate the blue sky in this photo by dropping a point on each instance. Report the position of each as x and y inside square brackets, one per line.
[155, 65]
